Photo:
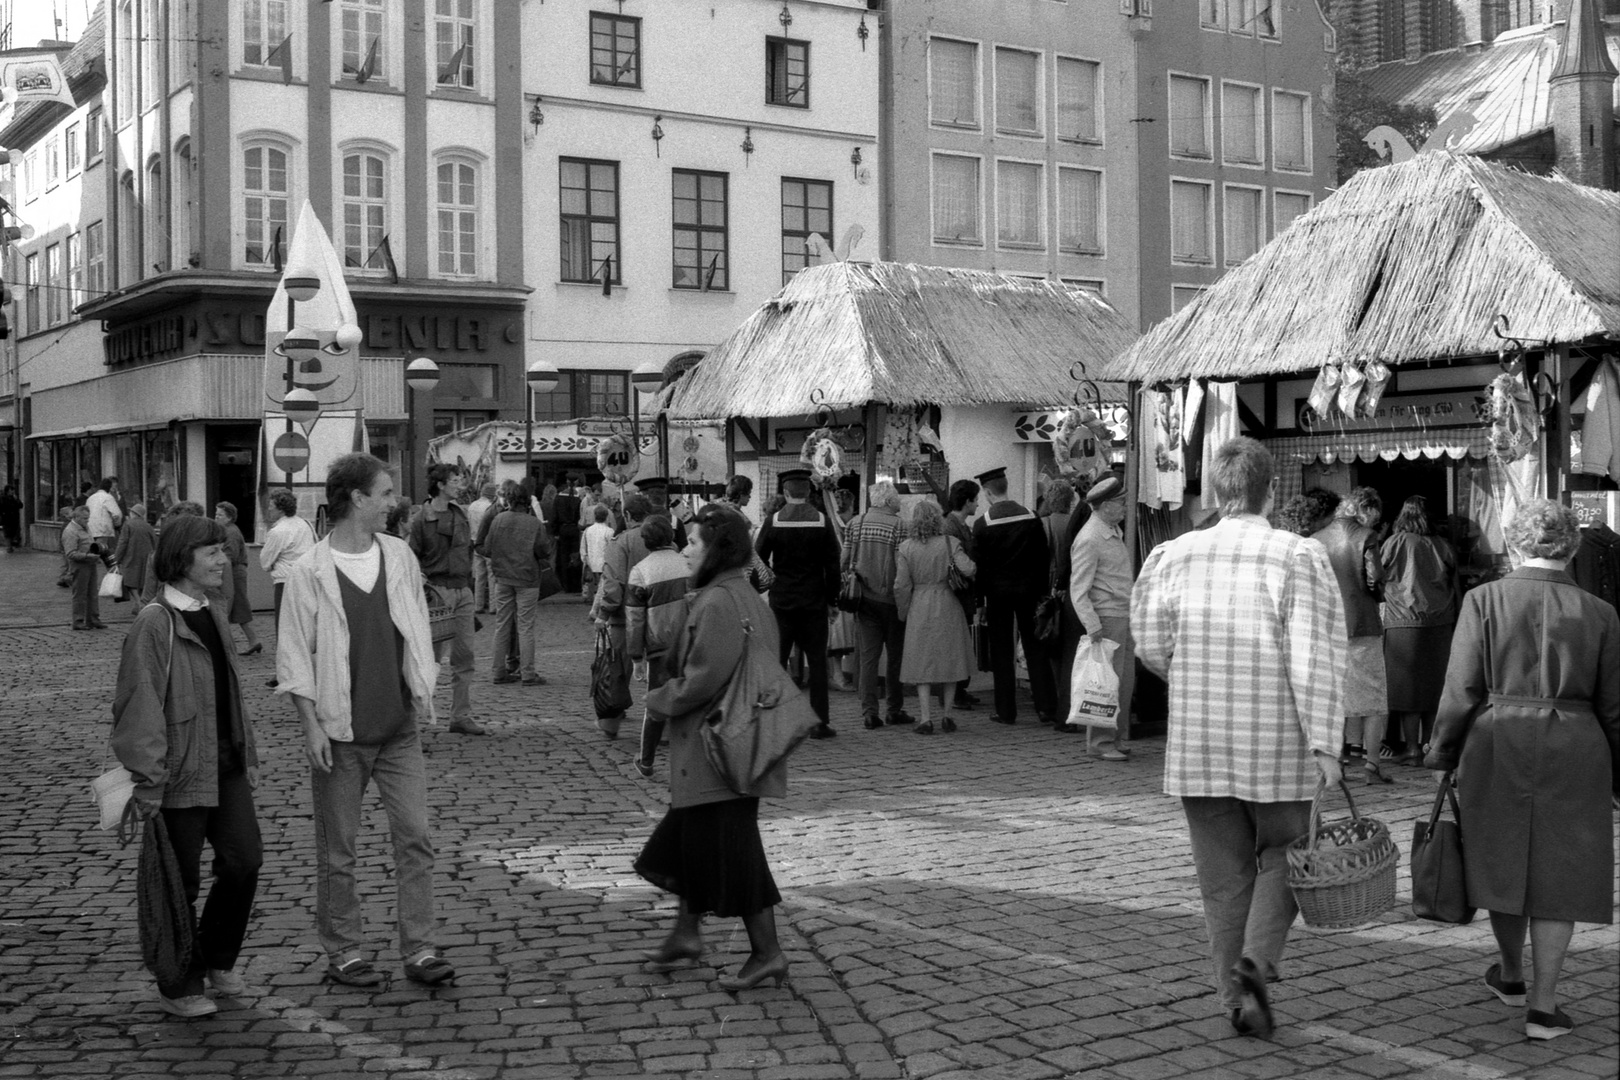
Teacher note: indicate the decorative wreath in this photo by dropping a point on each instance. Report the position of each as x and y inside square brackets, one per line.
[1079, 446]
[618, 458]
[823, 454]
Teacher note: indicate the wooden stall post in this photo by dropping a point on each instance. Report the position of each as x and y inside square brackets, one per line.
[1132, 449]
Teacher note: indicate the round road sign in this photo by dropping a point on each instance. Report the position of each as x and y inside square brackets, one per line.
[290, 452]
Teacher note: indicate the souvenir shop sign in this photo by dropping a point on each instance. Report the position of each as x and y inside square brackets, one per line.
[1461, 407]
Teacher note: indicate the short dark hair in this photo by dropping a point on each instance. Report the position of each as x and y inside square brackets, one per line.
[347, 475]
[107, 482]
[600, 512]
[962, 493]
[178, 542]
[657, 532]
[285, 501]
[637, 506]
[185, 508]
[796, 488]
[229, 508]
[726, 543]
[739, 488]
[436, 476]
[996, 486]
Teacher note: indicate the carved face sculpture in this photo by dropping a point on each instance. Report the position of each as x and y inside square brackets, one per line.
[318, 364]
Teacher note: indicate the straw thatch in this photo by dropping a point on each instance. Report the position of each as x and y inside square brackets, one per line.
[903, 335]
[1406, 263]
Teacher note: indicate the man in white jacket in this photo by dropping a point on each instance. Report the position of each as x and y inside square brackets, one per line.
[358, 596]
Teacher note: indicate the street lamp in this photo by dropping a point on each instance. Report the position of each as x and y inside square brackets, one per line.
[541, 378]
[646, 379]
[298, 346]
[421, 375]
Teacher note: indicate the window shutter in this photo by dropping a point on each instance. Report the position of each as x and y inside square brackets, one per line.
[1189, 222]
[1239, 141]
[1188, 107]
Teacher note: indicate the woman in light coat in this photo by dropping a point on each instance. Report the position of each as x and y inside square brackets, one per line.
[939, 650]
[287, 541]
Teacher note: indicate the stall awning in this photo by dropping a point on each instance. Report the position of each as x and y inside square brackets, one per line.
[1454, 443]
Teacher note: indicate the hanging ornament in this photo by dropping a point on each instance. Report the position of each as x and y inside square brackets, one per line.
[618, 458]
[823, 454]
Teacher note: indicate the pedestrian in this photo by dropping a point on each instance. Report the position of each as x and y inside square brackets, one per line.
[1056, 512]
[871, 543]
[11, 509]
[739, 491]
[285, 542]
[355, 655]
[593, 548]
[842, 635]
[476, 512]
[1014, 567]
[608, 611]
[181, 727]
[1308, 513]
[800, 547]
[441, 537]
[136, 543]
[234, 585]
[1420, 612]
[1243, 621]
[655, 610]
[398, 523]
[1530, 719]
[963, 500]
[518, 548]
[656, 491]
[938, 652]
[84, 555]
[152, 586]
[565, 524]
[707, 849]
[106, 515]
[1100, 595]
[1352, 547]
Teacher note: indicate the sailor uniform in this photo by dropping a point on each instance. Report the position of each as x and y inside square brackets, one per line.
[801, 548]
[1014, 561]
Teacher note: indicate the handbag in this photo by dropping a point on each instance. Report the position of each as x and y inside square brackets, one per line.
[610, 679]
[959, 580]
[113, 789]
[760, 718]
[550, 582]
[1439, 887]
[112, 586]
[981, 640]
[1049, 608]
[851, 591]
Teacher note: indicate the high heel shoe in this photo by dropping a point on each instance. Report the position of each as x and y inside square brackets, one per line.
[257, 648]
[776, 969]
[666, 958]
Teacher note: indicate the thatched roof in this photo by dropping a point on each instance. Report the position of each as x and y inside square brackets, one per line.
[904, 335]
[1405, 263]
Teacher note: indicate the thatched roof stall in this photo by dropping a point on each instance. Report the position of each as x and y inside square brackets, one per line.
[1407, 263]
[899, 334]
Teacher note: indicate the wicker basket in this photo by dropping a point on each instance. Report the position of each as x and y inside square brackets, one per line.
[1343, 873]
[441, 615]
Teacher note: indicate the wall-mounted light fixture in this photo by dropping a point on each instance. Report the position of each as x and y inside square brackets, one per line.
[862, 32]
[855, 161]
[537, 115]
[747, 145]
[785, 18]
[658, 135]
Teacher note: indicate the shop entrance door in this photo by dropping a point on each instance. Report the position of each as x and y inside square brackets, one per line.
[232, 449]
[1398, 480]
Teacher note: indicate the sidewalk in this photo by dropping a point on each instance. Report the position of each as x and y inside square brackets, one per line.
[29, 595]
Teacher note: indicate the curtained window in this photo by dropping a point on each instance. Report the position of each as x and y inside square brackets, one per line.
[1189, 116]
[1079, 210]
[1240, 124]
[953, 82]
[1019, 191]
[1287, 207]
[1189, 222]
[1245, 223]
[1018, 92]
[956, 199]
[1291, 131]
[1077, 82]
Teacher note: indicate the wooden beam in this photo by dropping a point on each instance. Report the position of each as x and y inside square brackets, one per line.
[1558, 456]
[1132, 492]
[755, 438]
[1251, 421]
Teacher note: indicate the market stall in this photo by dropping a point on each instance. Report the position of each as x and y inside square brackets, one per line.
[1442, 327]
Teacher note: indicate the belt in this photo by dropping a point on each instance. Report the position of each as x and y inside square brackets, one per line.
[1564, 705]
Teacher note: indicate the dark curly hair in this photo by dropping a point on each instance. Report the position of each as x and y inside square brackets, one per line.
[726, 543]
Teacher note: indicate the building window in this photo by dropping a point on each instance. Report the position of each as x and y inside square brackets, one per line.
[807, 209]
[1265, 18]
[152, 36]
[73, 149]
[363, 28]
[1090, 285]
[1241, 140]
[31, 293]
[1210, 12]
[615, 50]
[590, 219]
[92, 137]
[265, 194]
[264, 28]
[129, 239]
[182, 44]
[787, 72]
[75, 270]
[55, 291]
[30, 178]
[953, 82]
[1291, 131]
[185, 200]
[584, 393]
[956, 200]
[558, 404]
[1286, 206]
[1189, 117]
[1018, 92]
[1240, 16]
[1020, 198]
[157, 220]
[454, 31]
[53, 163]
[1077, 83]
[1191, 237]
[124, 62]
[700, 230]
[1182, 295]
[1080, 210]
[458, 219]
[1244, 208]
[95, 259]
[365, 210]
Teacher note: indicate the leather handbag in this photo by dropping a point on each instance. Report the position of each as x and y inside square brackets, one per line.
[610, 680]
[851, 591]
[1439, 888]
[959, 580]
[760, 718]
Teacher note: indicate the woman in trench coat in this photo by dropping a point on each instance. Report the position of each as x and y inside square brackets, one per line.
[1530, 719]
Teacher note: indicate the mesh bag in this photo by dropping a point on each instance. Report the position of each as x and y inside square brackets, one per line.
[168, 927]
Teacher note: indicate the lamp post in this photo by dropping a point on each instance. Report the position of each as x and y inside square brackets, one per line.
[646, 379]
[421, 375]
[540, 378]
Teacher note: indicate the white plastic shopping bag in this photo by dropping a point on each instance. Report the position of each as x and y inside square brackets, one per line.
[112, 586]
[1094, 688]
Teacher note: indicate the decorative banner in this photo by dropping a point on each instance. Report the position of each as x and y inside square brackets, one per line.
[36, 75]
[333, 374]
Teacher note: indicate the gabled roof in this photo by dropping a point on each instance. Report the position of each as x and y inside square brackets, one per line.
[901, 334]
[1504, 84]
[84, 68]
[1405, 263]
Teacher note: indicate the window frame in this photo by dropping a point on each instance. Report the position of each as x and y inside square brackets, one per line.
[364, 9]
[1258, 164]
[363, 201]
[591, 219]
[1039, 130]
[978, 241]
[1310, 204]
[267, 41]
[1215, 22]
[1042, 226]
[53, 162]
[613, 20]
[723, 270]
[786, 45]
[30, 176]
[93, 142]
[1307, 135]
[1086, 284]
[31, 297]
[95, 259]
[978, 86]
[804, 235]
[1184, 286]
[1260, 236]
[1209, 222]
[460, 211]
[1101, 221]
[54, 285]
[464, 34]
[267, 195]
[72, 151]
[1098, 136]
[1208, 115]
[73, 259]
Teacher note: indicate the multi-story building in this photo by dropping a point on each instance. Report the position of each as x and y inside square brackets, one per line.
[1131, 148]
[678, 157]
[401, 122]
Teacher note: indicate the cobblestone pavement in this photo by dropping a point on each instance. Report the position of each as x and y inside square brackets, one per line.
[989, 903]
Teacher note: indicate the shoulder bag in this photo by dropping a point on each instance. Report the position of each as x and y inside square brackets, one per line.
[1049, 608]
[960, 580]
[1439, 888]
[760, 717]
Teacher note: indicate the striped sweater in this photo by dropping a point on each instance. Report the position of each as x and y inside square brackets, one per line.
[655, 603]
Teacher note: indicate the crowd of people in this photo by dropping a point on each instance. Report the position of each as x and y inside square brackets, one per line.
[1285, 651]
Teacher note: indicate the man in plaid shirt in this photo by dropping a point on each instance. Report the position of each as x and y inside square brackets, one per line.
[1245, 623]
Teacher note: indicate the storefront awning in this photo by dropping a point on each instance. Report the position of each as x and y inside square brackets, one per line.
[1454, 443]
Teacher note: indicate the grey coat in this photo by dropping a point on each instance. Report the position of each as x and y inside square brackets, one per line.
[134, 553]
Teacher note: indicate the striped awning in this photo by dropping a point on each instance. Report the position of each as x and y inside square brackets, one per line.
[1433, 443]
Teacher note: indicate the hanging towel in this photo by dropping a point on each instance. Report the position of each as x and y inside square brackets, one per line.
[1147, 427]
[1162, 475]
[1191, 411]
[1600, 438]
[1220, 424]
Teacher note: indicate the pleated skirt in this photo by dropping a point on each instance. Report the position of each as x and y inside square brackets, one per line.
[710, 855]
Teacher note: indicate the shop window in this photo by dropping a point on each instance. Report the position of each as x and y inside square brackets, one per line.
[701, 230]
[953, 82]
[807, 208]
[1189, 116]
[162, 473]
[363, 28]
[455, 29]
[264, 28]
[1020, 199]
[956, 199]
[1018, 92]
[1080, 210]
[589, 233]
[787, 72]
[1191, 232]
[615, 50]
[1077, 85]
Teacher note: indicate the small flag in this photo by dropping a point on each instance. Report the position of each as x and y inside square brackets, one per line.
[451, 71]
[36, 75]
[368, 68]
[284, 51]
[708, 278]
[387, 250]
[607, 276]
[275, 249]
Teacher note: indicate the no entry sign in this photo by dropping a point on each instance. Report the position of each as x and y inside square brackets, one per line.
[290, 451]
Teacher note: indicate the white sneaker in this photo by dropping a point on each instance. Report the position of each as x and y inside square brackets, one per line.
[188, 1008]
[228, 983]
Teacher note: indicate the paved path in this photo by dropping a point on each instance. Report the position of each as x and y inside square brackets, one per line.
[983, 904]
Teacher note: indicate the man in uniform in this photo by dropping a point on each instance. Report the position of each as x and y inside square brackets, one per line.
[656, 488]
[799, 545]
[1013, 558]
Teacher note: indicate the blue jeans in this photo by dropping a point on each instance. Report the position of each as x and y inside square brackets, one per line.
[397, 767]
[1240, 850]
[461, 653]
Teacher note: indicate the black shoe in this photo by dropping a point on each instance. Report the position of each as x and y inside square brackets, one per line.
[499, 679]
[1068, 729]
[896, 719]
[872, 723]
[997, 718]
[1046, 718]
[823, 731]
[1540, 1025]
[645, 769]
[947, 725]
[963, 700]
[1256, 1009]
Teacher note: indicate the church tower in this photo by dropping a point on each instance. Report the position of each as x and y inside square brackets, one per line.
[1582, 85]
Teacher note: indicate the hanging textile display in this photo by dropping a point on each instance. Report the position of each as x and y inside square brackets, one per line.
[1514, 424]
[1600, 438]
[1351, 380]
[1220, 425]
[1377, 379]
[899, 442]
[1161, 479]
[1322, 393]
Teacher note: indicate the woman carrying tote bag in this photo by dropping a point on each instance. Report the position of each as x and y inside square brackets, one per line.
[181, 729]
[707, 849]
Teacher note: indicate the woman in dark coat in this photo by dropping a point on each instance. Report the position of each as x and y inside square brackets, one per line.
[707, 849]
[134, 552]
[11, 509]
[236, 586]
[1530, 719]
[1420, 612]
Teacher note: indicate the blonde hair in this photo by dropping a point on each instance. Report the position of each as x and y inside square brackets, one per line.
[1544, 529]
[925, 520]
[883, 493]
